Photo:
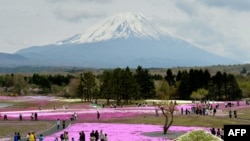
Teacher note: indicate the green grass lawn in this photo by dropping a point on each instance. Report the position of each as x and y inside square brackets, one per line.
[244, 113]
[8, 128]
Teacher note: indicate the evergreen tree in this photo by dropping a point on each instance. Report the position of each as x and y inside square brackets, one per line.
[131, 90]
[178, 76]
[170, 77]
[218, 82]
[236, 92]
[80, 88]
[106, 88]
[145, 82]
[89, 85]
[184, 87]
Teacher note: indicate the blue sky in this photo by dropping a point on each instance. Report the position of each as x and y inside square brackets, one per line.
[218, 26]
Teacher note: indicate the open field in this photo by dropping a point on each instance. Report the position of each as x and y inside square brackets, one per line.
[128, 115]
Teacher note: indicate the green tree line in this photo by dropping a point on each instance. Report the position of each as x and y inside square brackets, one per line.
[125, 85]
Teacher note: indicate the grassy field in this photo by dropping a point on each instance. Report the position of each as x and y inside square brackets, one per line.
[8, 128]
[190, 120]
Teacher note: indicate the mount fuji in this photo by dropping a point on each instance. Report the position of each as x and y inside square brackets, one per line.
[125, 39]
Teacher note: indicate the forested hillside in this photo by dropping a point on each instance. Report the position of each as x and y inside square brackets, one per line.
[124, 85]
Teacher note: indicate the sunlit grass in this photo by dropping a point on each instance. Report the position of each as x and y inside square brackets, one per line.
[181, 120]
[8, 128]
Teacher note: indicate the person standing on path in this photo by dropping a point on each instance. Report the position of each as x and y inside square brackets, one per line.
[235, 114]
[102, 136]
[41, 137]
[106, 137]
[28, 136]
[230, 114]
[32, 137]
[63, 124]
[15, 137]
[18, 136]
[58, 122]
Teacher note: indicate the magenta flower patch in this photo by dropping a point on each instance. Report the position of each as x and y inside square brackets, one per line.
[121, 132]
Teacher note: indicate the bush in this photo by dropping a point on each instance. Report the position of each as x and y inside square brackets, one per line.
[198, 135]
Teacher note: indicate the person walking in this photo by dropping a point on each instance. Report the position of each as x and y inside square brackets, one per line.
[222, 133]
[82, 136]
[63, 124]
[18, 136]
[230, 114]
[28, 136]
[96, 135]
[106, 137]
[15, 137]
[32, 136]
[58, 122]
[41, 137]
[102, 136]
[98, 115]
[35, 115]
[235, 114]
[20, 117]
[5, 117]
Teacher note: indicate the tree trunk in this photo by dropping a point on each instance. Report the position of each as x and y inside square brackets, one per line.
[165, 127]
[167, 123]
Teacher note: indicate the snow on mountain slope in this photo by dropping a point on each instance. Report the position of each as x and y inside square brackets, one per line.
[122, 25]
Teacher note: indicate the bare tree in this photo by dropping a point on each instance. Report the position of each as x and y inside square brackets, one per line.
[168, 112]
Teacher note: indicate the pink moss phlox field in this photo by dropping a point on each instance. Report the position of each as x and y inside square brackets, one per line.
[66, 114]
[116, 132]
[120, 132]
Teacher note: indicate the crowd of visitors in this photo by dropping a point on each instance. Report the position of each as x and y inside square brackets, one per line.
[206, 108]
[219, 132]
[34, 116]
[94, 136]
[31, 136]
[17, 136]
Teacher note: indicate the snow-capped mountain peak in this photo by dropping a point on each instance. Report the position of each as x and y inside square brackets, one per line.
[122, 25]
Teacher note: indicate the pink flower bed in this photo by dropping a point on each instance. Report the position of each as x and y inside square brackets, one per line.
[120, 132]
[66, 114]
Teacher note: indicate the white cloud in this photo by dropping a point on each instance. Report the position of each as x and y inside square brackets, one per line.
[77, 14]
[210, 26]
[238, 5]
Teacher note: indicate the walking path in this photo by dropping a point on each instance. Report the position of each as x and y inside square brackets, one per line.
[50, 131]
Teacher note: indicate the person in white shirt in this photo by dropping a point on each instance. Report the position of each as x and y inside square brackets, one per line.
[102, 136]
[58, 122]
[106, 137]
